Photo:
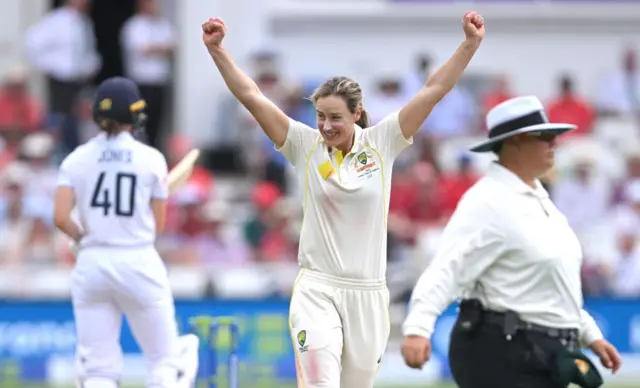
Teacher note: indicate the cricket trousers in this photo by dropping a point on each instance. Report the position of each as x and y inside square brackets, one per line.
[487, 359]
[339, 328]
[109, 282]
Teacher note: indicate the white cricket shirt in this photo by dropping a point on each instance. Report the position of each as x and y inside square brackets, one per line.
[114, 180]
[345, 198]
[509, 246]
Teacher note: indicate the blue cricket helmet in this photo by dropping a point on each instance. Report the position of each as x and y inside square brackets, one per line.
[119, 99]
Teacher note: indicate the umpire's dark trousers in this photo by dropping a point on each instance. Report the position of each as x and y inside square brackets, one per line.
[486, 359]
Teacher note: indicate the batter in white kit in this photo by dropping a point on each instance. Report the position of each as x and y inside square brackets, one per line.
[118, 187]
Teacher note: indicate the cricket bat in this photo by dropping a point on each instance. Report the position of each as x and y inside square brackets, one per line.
[180, 174]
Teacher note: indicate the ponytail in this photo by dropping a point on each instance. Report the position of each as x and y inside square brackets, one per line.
[109, 126]
[365, 120]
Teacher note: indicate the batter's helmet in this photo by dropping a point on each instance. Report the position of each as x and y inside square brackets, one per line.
[119, 99]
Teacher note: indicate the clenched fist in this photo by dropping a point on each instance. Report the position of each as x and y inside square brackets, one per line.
[213, 32]
[473, 25]
[416, 351]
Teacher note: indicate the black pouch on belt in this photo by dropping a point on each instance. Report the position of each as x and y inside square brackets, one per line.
[470, 317]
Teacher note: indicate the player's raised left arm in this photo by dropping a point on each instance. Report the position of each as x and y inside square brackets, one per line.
[444, 79]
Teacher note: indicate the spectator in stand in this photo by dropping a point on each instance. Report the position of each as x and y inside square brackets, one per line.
[500, 92]
[429, 153]
[43, 246]
[570, 108]
[184, 224]
[7, 155]
[623, 271]
[583, 197]
[454, 185]
[298, 106]
[77, 127]
[190, 201]
[148, 40]
[426, 207]
[63, 46]
[81, 127]
[416, 78]
[15, 221]
[20, 111]
[455, 115]
[387, 97]
[620, 94]
[214, 245]
[11, 146]
[264, 196]
[267, 232]
[632, 161]
[402, 236]
[617, 270]
[419, 199]
[37, 151]
[278, 243]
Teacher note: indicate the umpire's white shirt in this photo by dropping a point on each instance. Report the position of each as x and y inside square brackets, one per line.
[510, 247]
[114, 180]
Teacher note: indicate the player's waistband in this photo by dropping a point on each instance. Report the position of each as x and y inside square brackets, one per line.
[337, 281]
[98, 245]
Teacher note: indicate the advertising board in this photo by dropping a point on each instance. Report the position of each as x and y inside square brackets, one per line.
[37, 339]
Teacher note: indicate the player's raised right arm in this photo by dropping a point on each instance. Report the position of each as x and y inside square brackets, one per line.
[65, 200]
[272, 119]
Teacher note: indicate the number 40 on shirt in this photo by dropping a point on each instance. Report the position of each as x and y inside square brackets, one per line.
[115, 194]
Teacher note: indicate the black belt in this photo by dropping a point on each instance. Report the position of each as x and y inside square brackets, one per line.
[511, 324]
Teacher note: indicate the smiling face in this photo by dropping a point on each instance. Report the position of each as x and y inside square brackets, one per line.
[335, 121]
[338, 103]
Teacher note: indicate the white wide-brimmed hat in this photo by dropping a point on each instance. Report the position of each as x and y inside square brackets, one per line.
[515, 116]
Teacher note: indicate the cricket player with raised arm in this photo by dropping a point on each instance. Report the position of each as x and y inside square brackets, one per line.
[119, 189]
[339, 308]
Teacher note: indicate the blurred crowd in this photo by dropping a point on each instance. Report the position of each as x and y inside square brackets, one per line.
[250, 212]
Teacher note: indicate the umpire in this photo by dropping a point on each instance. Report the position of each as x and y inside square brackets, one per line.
[515, 262]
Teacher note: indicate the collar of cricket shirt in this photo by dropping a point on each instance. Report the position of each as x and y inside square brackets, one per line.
[503, 174]
[355, 148]
[102, 136]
